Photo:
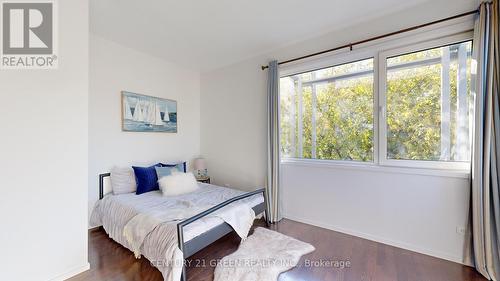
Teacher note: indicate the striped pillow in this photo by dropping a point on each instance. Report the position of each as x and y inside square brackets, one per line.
[123, 180]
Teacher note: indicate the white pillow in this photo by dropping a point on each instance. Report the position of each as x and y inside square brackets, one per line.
[123, 180]
[177, 184]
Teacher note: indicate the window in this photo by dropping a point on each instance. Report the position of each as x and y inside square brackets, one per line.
[328, 113]
[428, 104]
[409, 106]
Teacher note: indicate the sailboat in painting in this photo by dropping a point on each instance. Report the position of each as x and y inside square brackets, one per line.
[158, 121]
[138, 113]
[128, 112]
[148, 114]
[166, 117]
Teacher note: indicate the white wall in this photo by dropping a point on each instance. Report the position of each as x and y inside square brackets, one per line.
[43, 150]
[233, 125]
[233, 139]
[114, 68]
[416, 212]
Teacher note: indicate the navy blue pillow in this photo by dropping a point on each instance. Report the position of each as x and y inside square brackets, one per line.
[146, 179]
[179, 165]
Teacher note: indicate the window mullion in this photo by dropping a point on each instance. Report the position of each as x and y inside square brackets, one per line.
[463, 147]
[313, 117]
[293, 123]
[381, 109]
[445, 105]
[376, 105]
[300, 118]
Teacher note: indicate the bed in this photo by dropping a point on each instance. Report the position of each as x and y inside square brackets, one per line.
[174, 241]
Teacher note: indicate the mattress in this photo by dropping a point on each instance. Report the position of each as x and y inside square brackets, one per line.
[207, 194]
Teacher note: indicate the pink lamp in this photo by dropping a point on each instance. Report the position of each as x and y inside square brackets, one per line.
[200, 167]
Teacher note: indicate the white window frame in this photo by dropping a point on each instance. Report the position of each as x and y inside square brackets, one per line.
[432, 164]
[336, 61]
[379, 51]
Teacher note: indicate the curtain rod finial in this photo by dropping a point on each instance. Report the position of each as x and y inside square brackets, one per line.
[264, 67]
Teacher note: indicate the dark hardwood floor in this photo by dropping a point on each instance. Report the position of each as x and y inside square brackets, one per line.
[354, 259]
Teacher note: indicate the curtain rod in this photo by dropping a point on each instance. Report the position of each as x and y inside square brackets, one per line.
[350, 45]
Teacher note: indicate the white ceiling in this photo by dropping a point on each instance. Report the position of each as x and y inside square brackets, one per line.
[207, 34]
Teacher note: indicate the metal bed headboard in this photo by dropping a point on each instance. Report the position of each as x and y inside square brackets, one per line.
[101, 184]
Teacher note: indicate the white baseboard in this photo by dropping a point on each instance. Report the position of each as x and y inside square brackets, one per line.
[398, 244]
[72, 272]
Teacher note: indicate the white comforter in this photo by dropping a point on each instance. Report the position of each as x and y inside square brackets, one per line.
[147, 217]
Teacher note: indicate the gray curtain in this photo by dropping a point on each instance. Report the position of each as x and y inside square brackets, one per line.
[486, 143]
[273, 144]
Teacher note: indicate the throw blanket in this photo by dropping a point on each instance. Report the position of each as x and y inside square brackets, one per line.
[239, 217]
[136, 230]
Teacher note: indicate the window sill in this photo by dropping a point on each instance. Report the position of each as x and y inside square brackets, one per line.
[371, 167]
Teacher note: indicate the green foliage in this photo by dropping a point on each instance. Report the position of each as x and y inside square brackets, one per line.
[344, 120]
[414, 113]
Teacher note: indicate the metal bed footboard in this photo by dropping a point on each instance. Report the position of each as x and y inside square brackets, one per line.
[182, 224]
[217, 233]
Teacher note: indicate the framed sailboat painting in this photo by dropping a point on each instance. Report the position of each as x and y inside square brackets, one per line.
[142, 113]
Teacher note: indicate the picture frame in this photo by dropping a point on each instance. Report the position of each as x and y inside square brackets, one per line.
[143, 113]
